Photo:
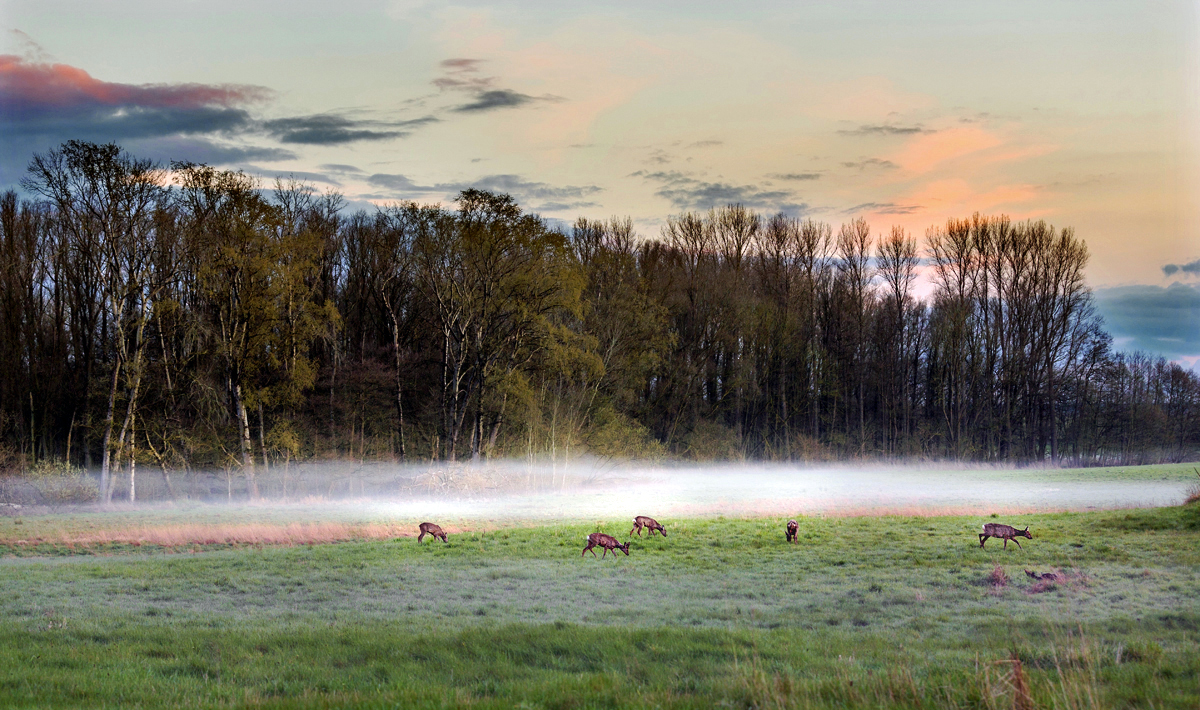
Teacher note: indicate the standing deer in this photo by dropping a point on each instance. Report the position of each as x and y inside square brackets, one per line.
[792, 527]
[1003, 532]
[608, 542]
[433, 530]
[650, 524]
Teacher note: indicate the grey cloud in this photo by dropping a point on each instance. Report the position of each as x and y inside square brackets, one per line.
[479, 83]
[494, 99]
[340, 168]
[1153, 318]
[461, 64]
[563, 206]
[883, 208]
[460, 76]
[334, 129]
[203, 150]
[688, 193]
[705, 144]
[104, 123]
[300, 175]
[550, 197]
[43, 104]
[1191, 268]
[885, 129]
[871, 163]
[795, 176]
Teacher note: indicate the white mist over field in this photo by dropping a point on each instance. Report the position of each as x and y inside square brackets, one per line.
[467, 495]
[587, 491]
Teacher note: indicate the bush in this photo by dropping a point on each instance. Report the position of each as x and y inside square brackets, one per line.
[614, 435]
[59, 483]
[710, 441]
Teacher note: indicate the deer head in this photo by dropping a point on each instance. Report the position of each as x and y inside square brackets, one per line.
[624, 548]
[1025, 533]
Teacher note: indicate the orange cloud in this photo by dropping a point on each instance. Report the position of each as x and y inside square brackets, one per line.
[924, 152]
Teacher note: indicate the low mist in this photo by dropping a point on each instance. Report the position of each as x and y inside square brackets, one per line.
[586, 490]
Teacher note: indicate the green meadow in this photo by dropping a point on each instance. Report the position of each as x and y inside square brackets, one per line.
[862, 612]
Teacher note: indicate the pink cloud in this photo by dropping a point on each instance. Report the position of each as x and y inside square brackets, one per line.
[60, 86]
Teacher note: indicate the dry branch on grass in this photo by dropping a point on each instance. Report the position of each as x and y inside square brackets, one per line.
[1049, 581]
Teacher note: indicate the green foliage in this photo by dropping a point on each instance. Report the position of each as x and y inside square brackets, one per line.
[614, 435]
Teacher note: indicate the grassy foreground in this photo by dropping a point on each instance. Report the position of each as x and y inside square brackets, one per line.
[864, 612]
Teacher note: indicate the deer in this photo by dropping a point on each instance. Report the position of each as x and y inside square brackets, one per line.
[608, 542]
[433, 530]
[792, 527]
[650, 524]
[1003, 532]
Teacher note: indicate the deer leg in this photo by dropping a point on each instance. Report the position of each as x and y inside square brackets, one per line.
[982, 539]
[421, 536]
[1018, 543]
[1006, 543]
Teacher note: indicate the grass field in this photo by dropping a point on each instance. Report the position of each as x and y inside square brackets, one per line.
[863, 612]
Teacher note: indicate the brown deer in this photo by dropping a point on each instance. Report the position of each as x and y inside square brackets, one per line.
[430, 529]
[1003, 532]
[792, 527]
[650, 524]
[608, 542]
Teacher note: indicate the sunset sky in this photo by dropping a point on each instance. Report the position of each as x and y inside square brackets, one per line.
[1086, 114]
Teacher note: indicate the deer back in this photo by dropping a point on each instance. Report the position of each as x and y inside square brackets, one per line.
[1000, 530]
[603, 540]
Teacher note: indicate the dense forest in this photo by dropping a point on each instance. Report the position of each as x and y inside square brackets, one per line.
[187, 317]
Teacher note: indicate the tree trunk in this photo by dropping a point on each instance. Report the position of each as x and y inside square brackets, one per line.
[262, 439]
[106, 461]
[399, 387]
[244, 436]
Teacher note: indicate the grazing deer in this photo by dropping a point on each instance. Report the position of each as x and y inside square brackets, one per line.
[792, 527]
[650, 524]
[1003, 532]
[608, 542]
[433, 530]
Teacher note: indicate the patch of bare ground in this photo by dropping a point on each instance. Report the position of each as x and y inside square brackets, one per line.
[182, 535]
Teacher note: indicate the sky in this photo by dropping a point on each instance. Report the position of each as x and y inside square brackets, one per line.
[1085, 114]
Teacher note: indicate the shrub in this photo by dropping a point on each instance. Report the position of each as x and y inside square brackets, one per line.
[59, 483]
[1193, 493]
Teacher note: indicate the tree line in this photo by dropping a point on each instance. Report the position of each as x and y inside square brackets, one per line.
[185, 317]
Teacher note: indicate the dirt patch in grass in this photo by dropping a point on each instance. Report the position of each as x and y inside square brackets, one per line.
[184, 535]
